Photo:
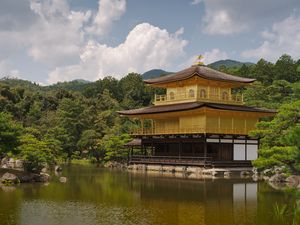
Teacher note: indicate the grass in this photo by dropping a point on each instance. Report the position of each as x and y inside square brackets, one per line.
[81, 161]
[279, 210]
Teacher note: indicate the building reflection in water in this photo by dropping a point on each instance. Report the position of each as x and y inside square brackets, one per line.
[209, 202]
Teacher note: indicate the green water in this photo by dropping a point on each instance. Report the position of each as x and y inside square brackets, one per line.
[100, 196]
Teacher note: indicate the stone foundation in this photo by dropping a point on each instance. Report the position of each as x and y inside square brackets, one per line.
[192, 171]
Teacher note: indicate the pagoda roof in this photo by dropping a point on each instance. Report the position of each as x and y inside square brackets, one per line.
[190, 106]
[201, 71]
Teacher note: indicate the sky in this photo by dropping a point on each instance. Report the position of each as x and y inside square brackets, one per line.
[47, 41]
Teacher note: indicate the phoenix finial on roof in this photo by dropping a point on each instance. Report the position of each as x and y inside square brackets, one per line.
[199, 60]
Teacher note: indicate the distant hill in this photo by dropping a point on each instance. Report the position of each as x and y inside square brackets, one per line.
[229, 63]
[74, 85]
[15, 82]
[154, 73]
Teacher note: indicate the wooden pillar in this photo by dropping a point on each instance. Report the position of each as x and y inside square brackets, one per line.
[142, 147]
[152, 148]
[180, 149]
[219, 150]
[142, 125]
[246, 148]
[152, 126]
[205, 149]
[219, 124]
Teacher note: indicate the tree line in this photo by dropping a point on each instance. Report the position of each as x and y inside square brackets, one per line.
[79, 119]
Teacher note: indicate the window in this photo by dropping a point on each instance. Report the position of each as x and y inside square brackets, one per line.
[191, 93]
[202, 93]
[225, 96]
[172, 95]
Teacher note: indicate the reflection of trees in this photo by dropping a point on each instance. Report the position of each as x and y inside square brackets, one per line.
[86, 184]
[133, 198]
[10, 199]
[268, 198]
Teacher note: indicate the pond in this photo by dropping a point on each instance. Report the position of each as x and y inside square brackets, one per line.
[101, 196]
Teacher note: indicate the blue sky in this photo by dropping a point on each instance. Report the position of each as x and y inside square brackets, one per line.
[47, 41]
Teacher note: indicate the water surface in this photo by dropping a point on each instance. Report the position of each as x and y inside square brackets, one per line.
[101, 196]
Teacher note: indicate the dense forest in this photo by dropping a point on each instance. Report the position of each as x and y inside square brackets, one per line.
[78, 119]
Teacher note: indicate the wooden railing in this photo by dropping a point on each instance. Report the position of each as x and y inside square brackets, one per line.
[189, 130]
[168, 99]
[171, 160]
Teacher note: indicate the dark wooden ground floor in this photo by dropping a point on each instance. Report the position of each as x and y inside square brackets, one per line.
[215, 150]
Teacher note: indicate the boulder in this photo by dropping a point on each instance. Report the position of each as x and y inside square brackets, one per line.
[9, 178]
[11, 163]
[4, 161]
[278, 178]
[254, 170]
[44, 170]
[4, 166]
[63, 179]
[227, 174]
[293, 181]
[278, 169]
[245, 174]
[268, 172]
[115, 165]
[57, 168]
[26, 178]
[43, 177]
[19, 164]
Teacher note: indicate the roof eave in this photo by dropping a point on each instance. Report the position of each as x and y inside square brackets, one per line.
[197, 74]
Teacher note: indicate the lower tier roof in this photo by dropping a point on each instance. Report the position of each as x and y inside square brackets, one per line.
[190, 106]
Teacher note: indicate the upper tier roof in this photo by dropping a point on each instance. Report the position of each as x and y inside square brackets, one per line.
[190, 106]
[201, 71]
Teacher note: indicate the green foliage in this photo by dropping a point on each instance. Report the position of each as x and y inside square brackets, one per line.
[280, 139]
[37, 153]
[270, 96]
[70, 118]
[10, 132]
[113, 146]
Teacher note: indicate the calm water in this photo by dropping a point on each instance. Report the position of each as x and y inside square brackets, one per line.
[99, 196]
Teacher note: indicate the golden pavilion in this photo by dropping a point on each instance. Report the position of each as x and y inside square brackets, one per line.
[201, 120]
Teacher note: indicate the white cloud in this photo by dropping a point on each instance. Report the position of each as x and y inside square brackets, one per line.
[235, 16]
[6, 70]
[284, 37]
[109, 11]
[145, 47]
[221, 22]
[58, 34]
[214, 55]
[54, 34]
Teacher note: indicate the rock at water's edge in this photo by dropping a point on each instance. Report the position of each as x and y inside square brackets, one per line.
[9, 178]
[293, 181]
[278, 178]
[63, 179]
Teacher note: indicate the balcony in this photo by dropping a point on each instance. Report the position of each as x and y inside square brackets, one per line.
[190, 130]
[225, 98]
